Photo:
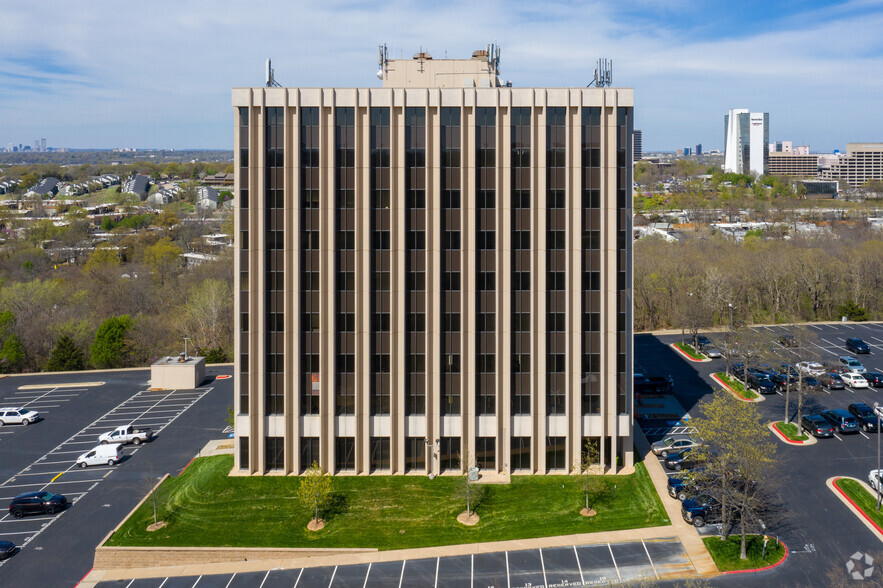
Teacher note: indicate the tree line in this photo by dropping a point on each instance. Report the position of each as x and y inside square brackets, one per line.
[126, 303]
[762, 280]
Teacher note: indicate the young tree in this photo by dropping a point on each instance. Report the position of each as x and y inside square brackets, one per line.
[111, 346]
[739, 460]
[65, 356]
[314, 490]
[470, 490]
[592, 483]
[207, 315]
[164, 258]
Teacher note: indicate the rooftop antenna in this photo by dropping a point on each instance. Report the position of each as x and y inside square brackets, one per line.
[493, 59]
[271, 80]
[603, 74]
[382, 60]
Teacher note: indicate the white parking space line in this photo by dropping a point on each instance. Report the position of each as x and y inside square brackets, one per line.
[650, 559]
[543, 564]
[816, 327]
[838, 437]
[616, 567]
[863, 435]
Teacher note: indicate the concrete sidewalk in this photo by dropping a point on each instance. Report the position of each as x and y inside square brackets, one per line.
[685, 532]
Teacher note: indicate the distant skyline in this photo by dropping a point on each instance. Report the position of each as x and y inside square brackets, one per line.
[158, 75]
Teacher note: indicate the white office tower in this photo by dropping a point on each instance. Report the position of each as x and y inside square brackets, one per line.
[746, 142]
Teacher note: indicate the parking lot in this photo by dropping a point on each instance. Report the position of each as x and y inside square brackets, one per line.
[75, 409]
[819, 531]
[583, 565]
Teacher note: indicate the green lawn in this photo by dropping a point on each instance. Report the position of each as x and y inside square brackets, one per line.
[726, 553]
[737, 386]
[790, 430]
[209, 508]
[862, 498]
[688, 349]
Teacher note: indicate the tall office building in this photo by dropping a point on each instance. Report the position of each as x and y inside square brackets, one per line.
[746, 140]
[699, 149]
[438, 266]
[638, 144]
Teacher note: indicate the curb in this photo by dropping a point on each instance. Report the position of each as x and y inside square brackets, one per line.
[864, 518]
[683, 354]
[782, 437]
[738, 396]
[769, 567]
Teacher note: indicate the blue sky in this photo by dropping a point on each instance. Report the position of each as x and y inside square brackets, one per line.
[158, 74]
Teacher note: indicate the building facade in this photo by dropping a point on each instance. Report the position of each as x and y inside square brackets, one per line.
[637, 145]
[788, 163]
[862, 162]
[435, 268]
[746, 141]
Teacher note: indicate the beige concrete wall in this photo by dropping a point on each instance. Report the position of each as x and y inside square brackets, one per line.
[609, 425]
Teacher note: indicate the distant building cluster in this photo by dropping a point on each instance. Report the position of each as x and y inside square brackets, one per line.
[39, 147]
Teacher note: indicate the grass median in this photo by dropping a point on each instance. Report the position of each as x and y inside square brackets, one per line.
[863, 499]
[726, 553]
[790, 431]
[205, 507]
[688, 349]
[736, 386]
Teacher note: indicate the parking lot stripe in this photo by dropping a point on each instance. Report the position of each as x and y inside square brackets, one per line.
[166, 580]
[543, 564]
[402, 575]
[334, 573]
[835, 434]
[472, 570]
[616, 567]
[197, 581]
[508, 581]
[650, 559]
[367, 573]
[580, 566]
[435, 585]
[234, 575]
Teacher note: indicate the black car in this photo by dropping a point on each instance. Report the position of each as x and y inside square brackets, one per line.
[841, 420]
[700, 510]
[856, 345]
[781, 382]
[7, 548]
[831, 381]
[865, 415]
[37, 503]
[761, 383]
[816, 425]
[875, 379]
[811, 382]
[681, 460]
[677, 487]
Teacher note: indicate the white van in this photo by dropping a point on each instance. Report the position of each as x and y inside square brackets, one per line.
[109, 454]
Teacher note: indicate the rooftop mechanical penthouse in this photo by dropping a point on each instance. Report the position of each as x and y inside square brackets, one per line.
[435, 267]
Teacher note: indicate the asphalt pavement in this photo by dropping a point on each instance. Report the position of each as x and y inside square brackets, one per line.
[58, 550]
[820, 532]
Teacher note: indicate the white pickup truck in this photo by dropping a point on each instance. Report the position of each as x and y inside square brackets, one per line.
[126, 434]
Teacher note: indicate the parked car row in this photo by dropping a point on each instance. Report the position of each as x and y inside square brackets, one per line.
[857, 416]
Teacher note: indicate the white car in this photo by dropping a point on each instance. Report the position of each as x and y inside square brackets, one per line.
[109, 454]
[811, 368]
[874, 479]
[854, 380]
[19, 416]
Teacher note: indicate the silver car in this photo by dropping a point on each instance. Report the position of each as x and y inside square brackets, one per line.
[713, 352]
[675, 444]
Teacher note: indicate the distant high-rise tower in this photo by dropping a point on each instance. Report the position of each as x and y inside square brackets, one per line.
[746, 140]
[687, 151]
[699, 149]
[42, 144]
[638, 147]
